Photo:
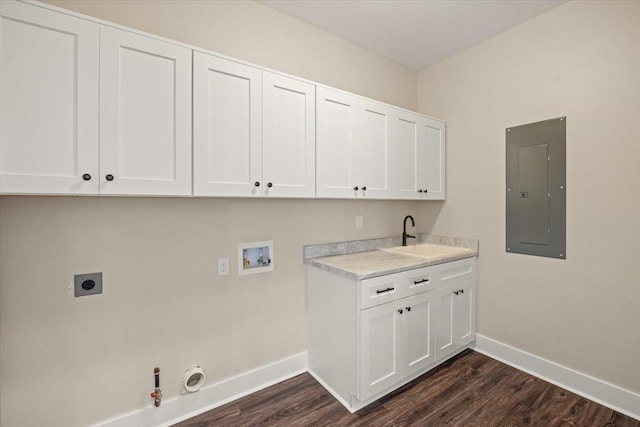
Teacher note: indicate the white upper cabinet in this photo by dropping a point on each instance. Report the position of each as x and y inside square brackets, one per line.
[48, 102]
[374, 154]
[145, 115]
[419, 157]
[432, 157]
[254, 131]
[227, 127]
[353, 147]
[289, 136]
[408, 147]
[336, 125]
[87, 108]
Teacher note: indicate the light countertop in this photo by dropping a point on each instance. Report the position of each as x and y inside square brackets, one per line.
[373, 262]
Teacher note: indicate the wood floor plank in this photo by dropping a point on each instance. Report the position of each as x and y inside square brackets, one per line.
[469, 390]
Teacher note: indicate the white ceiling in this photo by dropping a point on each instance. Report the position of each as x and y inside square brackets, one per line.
[416, 33]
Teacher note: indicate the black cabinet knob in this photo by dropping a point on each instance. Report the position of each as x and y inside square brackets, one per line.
[419, 191]
[455, 292]
[86, 177]
[269, 184]
[364, 188]
[109, 177]
[462, 291]
[408, 308]
[400, 311]
[425, 190]
[257, 184]
[355, 188]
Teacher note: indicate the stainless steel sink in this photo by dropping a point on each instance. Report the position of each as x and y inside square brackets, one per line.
[429, 250]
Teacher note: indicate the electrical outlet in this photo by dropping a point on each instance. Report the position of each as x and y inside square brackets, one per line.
[359, 221]
[87, 284]
[223, 266]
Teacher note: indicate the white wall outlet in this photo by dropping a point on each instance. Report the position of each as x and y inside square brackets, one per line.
[223, 266]
[359, 221]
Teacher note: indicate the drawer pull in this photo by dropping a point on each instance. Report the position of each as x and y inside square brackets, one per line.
[417, 282]
[382, 291]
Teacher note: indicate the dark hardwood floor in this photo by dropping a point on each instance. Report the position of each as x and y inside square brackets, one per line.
[469, 390]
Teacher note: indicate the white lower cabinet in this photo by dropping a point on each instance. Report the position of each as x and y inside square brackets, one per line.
[395, 342]
[455, 298]
[369, 337]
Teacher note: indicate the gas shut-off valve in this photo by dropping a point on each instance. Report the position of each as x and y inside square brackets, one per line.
[157, 395]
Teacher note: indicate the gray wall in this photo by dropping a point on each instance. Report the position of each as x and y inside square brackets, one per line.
[68, 362]
[580, 60]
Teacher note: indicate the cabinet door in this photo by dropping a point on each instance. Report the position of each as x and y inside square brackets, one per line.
[289, 136]
[227, 123]
[145, 115]
[456, 317]
[408, 147]
[431, 163]
[379, 348]
[48, 101]
[336, 125]
[446, 324]
[419, 336]
[373, 153]
[465, 312]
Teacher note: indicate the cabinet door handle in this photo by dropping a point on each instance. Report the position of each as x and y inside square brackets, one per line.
[462, 291]
[257, 183]
[269, 184]
[382, 291]
[355, 188]
[364, 188]
[425, 190]
[400, 311]
[86, 177]
[417, 282]
[455, 292]
[419, 191]
[109, 177]
[408, 308]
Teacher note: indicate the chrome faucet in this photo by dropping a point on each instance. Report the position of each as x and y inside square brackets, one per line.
[404, 230]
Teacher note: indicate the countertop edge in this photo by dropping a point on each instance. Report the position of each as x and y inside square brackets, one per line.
[315, 262]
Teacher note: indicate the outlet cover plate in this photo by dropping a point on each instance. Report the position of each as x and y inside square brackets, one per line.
[92, 282]
[223, 266]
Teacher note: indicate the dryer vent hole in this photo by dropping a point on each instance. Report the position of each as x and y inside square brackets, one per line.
[194, 380]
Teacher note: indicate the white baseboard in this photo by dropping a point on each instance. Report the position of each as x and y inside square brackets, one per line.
[604, 393]
[186, 406]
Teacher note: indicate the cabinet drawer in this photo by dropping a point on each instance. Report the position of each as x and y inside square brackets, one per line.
[420, 280]
[380, 290]
[457, 270]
